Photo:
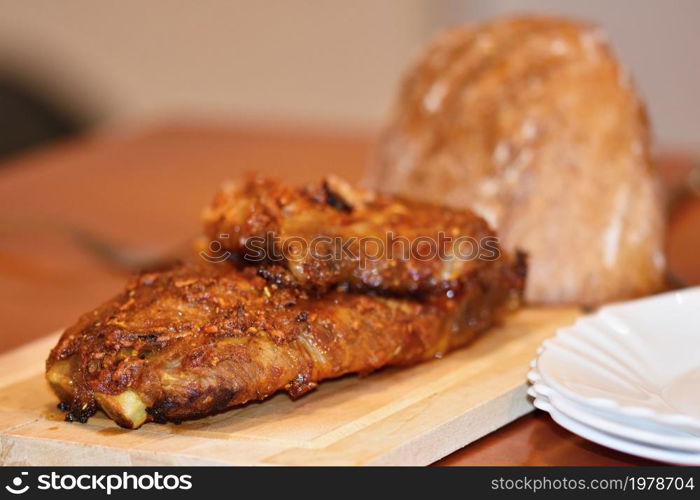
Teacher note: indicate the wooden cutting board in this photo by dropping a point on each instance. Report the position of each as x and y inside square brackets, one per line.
[412, 416]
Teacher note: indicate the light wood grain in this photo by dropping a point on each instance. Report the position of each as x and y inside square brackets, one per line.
[411, 416]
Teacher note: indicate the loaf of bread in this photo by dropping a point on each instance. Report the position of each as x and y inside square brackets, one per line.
[532, 123]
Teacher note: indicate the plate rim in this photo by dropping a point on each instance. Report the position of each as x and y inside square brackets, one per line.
[643, 436]
[669, 418]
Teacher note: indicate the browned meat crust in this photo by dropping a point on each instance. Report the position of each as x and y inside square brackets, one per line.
[201, 338]
[332, 234]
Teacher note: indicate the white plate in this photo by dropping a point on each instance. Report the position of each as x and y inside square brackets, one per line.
[623, 445]
[629, 428]
[637, 359]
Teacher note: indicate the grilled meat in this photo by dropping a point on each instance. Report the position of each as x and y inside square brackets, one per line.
[201, 338]
[332, 234]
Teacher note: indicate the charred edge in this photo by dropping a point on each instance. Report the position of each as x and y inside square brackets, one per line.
[236, 259]
[223, 399]
[79, 414]
[334, 200]
[418, 293]
[157, 413]
[277, 278]
[161, 412]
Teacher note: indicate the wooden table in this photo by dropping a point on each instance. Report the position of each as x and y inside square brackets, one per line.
[144, 189]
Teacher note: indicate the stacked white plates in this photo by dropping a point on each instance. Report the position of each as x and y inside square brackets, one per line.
[628, 377]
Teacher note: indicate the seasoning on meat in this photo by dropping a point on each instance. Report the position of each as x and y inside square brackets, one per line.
[199, 339]
[332, 234]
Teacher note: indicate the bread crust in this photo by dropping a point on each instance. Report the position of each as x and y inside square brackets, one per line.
[532, 123]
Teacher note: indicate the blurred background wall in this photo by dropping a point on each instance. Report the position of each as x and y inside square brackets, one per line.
[79, 63]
